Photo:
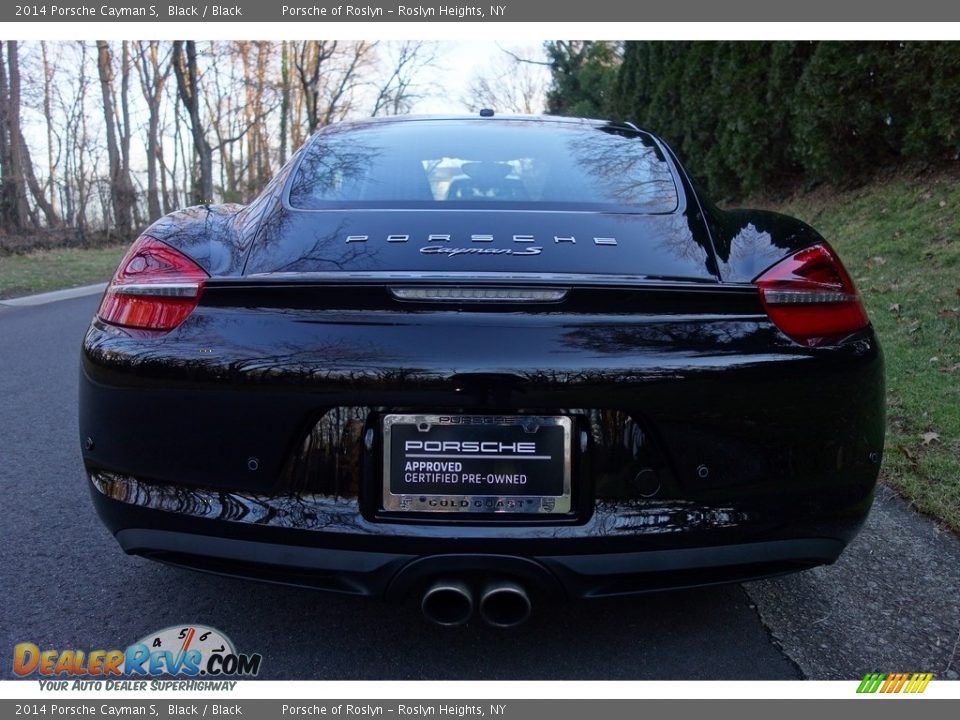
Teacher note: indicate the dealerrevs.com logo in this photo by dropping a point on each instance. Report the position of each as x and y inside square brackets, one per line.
[185, 651]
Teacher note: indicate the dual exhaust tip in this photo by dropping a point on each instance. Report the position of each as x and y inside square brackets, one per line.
[501, 603]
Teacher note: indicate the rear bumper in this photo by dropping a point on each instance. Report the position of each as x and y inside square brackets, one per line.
[764, 454]
[395, 576]
[399, 563]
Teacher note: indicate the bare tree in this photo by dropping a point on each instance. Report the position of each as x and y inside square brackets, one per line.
[284, 98]
[399, 89]
[181, 168]
[71, 105]
[116, 118]
[188, 83]
[309, 61]
[14, 211]
[10, 209]
[53, 146]
[19, 175]
[213, 123]
[238, 98]
[346, 80]
[153, 71]
[510, 84]
[328, 73]
[36, 190]
[255, 58]
[224, 109]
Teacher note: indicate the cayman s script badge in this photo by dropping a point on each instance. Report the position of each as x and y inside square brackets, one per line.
[454, 251]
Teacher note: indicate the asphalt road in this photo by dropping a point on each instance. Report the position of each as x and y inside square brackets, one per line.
[891, 604]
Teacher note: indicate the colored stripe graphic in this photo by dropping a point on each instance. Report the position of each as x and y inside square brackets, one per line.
[919, 682]
[894, 683]
[871, 682]
[890, 683]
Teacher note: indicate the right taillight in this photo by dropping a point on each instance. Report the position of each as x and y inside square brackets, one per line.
[811, 298]
[155, 288]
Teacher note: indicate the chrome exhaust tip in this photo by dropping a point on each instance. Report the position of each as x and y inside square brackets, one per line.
[504, 604]
[448, 603]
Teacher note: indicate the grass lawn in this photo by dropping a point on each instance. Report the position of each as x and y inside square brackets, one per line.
[900, 240]
[46, 270]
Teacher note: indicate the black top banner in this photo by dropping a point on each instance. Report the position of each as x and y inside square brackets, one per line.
[260, 11]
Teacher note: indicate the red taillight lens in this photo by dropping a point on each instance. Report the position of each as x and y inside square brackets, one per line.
[811, 298]
[155, 287]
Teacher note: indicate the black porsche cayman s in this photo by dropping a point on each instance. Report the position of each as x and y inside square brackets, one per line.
[473, 361]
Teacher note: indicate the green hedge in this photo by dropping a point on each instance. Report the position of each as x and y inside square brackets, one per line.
[749, 116]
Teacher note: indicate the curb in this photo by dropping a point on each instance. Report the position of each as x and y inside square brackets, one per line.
[55, 296]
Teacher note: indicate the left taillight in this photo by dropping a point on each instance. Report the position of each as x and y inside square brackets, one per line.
[155, 288]
[811, 297]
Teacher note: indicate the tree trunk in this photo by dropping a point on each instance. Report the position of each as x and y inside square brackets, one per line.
[7, 181]
[264, 51]
[125, 135]
[152, 81]
[36, 189]
[121, 189]
[13, 201]
[83, 184]
[188, 81]
[153, 150]
[335, 109]
[51, 188]
[284, 98]
[309, 62]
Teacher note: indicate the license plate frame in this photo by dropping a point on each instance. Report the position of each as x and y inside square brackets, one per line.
[524, 479]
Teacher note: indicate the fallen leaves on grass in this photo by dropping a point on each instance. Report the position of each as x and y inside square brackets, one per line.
[929, 437]
[895, 308]
[908, 453]
[948, 314]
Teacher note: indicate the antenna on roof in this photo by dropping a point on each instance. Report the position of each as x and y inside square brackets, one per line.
[486, 112]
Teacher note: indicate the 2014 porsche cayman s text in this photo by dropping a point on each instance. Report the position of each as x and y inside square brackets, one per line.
[478, 360]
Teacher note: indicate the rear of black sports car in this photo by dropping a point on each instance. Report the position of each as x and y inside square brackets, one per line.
[478, 360]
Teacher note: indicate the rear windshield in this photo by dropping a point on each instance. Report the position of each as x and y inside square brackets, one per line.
[490, 164]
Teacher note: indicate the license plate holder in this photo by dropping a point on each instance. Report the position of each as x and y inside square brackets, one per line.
[485, 464]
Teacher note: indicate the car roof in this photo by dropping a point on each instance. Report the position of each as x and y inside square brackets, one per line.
[551, 119]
